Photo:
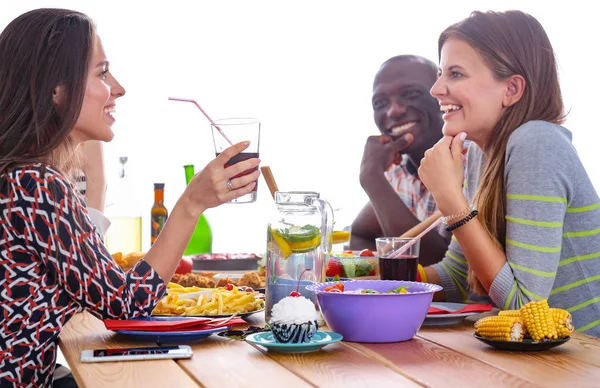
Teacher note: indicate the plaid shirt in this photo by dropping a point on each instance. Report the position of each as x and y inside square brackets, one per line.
[405, 181]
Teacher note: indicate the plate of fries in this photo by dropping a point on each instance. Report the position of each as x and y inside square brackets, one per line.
[208, 302]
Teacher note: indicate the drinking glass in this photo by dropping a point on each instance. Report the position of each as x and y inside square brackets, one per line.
[238, 129]
[403, 267]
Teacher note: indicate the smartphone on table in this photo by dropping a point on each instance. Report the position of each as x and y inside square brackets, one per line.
[135, 354]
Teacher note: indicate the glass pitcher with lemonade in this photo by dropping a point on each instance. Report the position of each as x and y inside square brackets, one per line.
[298, 239]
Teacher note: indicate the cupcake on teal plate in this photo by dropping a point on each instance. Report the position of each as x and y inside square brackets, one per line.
[294, 319]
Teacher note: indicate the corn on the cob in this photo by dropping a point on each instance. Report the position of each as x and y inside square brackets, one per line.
[501, 328]
[563, 322]
[516, 314]
[538, 320]
[510, 313]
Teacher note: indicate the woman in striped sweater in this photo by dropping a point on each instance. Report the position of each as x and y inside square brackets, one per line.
[535, 233]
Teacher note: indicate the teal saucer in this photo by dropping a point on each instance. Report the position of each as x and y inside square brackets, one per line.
[320, 339]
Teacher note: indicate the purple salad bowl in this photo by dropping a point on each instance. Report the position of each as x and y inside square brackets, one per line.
[375, 317]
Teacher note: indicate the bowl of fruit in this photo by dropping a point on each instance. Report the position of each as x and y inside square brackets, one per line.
[352, 264]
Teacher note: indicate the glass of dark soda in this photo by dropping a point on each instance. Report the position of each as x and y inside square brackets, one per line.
[236, 130]
[403, 267]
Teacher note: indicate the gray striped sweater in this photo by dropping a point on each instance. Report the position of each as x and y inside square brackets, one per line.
[552, 230]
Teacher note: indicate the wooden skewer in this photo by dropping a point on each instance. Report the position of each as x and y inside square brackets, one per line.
[268, 175]
[415, 230]
[421, 226]
[406, 247]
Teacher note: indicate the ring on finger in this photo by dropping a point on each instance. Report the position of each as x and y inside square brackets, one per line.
[229, 185]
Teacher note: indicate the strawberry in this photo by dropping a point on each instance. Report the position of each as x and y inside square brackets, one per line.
[334, 268]
[366, 253]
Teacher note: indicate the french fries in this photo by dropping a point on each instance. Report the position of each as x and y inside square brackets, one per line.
[220, 301]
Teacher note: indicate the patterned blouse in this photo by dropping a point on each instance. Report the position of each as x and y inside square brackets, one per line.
[53, 264]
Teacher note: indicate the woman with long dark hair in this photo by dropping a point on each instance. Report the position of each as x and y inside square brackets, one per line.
[56, 92]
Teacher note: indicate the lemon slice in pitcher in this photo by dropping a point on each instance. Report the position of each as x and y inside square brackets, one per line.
[303, 239]
[283, 245]
[340, 236]
[305, 246]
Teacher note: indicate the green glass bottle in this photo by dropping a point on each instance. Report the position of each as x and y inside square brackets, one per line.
[201, 241]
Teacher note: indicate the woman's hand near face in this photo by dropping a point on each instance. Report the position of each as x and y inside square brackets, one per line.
[442, 171]
[209, 187]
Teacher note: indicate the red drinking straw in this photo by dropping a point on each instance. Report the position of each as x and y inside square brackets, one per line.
[204, 113]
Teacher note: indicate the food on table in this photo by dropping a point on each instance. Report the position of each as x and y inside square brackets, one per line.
[224, 282]
[252, 280]
[185, 266]
[118, 258]
[194, 280]
[339, 288]
[563, 322]
[334, 268]
[351, 264]
[207, 280]
[366, 253]
[185, 277]
[399, 290]
[501, 328]
[215, 301]
[510, 313]
[294, 318]
[515, 314]
[126, 262]
[540, 322]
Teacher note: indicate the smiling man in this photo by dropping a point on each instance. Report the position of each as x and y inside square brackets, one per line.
[410, 122]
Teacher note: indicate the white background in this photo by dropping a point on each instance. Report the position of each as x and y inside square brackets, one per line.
[305, 69]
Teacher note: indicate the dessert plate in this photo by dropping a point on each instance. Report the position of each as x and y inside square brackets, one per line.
[319, 340]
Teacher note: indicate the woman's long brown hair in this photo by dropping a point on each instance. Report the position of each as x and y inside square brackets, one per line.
[41, 52]
[510, 43]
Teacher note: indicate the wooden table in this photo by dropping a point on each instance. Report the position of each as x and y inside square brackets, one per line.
[436, 357]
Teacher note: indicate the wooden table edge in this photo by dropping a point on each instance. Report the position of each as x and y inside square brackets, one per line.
[75, 358]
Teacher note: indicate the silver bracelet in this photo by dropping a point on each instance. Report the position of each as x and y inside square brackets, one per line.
[462, 214]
